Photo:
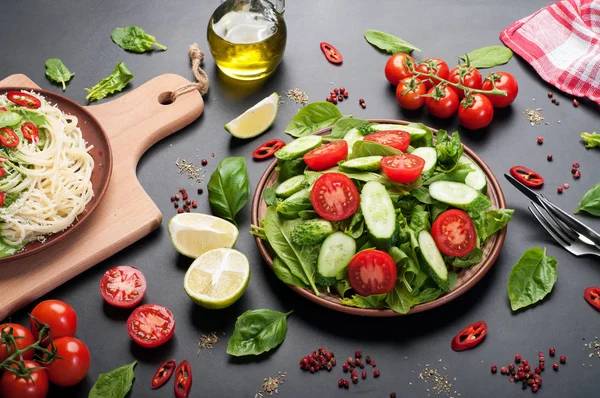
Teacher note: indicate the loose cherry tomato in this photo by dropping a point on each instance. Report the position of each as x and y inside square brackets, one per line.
[267, 149]
[151, 325]
[183, 380]
[23, 338]
[123, 286]
[468, 76]
[30, 132]
[2, 197]
[13, 386]
[24, 99]
[432, 65]
[398, 67]
[454, 233]
[527, 176]
[331, 53]
[59, 315]
[409, 93]
[475, 112]
[163, 374]
[504, 81]
[334, 197]
[403, 169]
[443, 102]
[326, 156]
[372, 272]
[395, 138]
[73, 364]
[592, 295]
[9, 138]
[470, 336]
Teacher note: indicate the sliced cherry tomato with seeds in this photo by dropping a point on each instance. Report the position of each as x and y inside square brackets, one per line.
[592, 296]
[335, 197]
[403, 169]
[9, 138]
[23, 99]
[454, 233]
[470, 336]
[30, 132]
[527, 176]
[268, 149]
[183, 380]
[123, 286]
[395, 138]
[372, 272]
[151, 325]
[163, 374]
[326, 156]
[331, 53]
[23, 338]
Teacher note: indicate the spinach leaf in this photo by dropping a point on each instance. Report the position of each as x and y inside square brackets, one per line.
[30, 116]
[270, 196]
[284, 274]
[290, 168]
[57, 72]
[116, 81]
[389, 43]
[373, 301]
[133, 38]
[361, 149]
[590, 203]
[531, 278]
[423, 196]
[114, 384]
[488, 222]
[427, 293]
[488, 57]
[345, 124]
[470, 259]
[257, 331]
[419, 220]
[448, 150]
[9, 118]
[313, 117]
[591, 140]
[357, 225]
[228, 189]
[459, 174]
[399, 300]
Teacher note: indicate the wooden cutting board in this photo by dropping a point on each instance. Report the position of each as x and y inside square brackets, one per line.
[133, 123]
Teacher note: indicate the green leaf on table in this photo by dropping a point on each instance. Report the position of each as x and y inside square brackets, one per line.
[57, 72]
[345, 124]
[488, 57]
[228, 189]
[313, 117]
[257, 331]
[134, 38]
[114, 384]
[590, 203]
[531, 278]
[9, 118]
[116, 81]
[591, 140]
[389, 43]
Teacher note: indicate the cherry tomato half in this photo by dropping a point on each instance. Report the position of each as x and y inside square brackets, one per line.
[183, 380]
[527, 176]
[334, 197]
[163, 374]
[435, 66]
[470, 336]
[13, 386]
[123, 286]
[331, 53]
[475, 112]
[9, 138]
[468, 76]
[23, 338]
[504, 81]
[444, 106]
[60, 316]
[24, 99]
[454, 233]
[151, 325]
[403, 169]
[30, 132]
[394, 138]
[398, 67]
[267, 149]
[372, 272]
[73, 364]
[326, 156]
[592, 296]
[409, 93]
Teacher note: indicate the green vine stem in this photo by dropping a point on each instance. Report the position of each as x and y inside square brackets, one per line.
[46, 356]
[434, 77]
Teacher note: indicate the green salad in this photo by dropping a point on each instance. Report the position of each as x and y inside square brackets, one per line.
[381, 214]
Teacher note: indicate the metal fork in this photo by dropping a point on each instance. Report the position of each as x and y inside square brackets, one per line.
[573, 241]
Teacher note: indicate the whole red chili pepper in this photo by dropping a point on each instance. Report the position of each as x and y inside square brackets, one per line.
[331, 53]
[592, 295]
[470, 336]
[183, 380]
[268, 149]
[163, 374]
[527, 176]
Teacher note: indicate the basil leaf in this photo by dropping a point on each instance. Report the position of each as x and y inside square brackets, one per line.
[448, 150]
[57, 72]
[9, 118]
[114, 384]
[134, 38]
[590, 202]
[488, 57]
[389, 43]
[257, 331]
[313, 117]
[373, 301]
[345, 124]
[532, 278]
[362, 148]
[285, 275]
[290, 168]
[228, 189]
[591, 140]
[116, 81]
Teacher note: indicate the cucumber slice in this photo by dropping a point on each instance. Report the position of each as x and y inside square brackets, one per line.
[368, 163]
[290, 186]
[299, 147]
[432, 260]
[429, 155]
[453, 193]
[415, 132]
[336, 252]
[475, 179]
[351, 137]
[379, 213]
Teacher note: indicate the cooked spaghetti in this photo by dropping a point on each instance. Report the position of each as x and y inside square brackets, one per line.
[46, 181]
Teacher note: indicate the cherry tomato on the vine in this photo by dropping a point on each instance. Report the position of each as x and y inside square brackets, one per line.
[71, 364]
[409, 93]
[504, 81]
[398, 67]
[23, 338]
[59, 315]
[443, 102]
[433, 65]
[468, 76]
[13, 386]
[475, 112]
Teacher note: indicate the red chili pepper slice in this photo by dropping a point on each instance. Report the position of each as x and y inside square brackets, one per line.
[3, 109]
[592, 295]
[267, 149]
[163, 374]
[8, 138]
[24, 99]
[2, 173]
[2, 197]
[527, 176]
[331, 53]
[183, 380]
[470, 336]
[30, 132]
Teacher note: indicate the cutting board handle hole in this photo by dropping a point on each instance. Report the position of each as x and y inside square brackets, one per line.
[165, 98]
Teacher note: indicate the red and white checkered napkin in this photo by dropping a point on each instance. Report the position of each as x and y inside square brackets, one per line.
[562, 43]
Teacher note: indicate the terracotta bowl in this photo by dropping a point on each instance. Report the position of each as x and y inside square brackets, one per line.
[467, 277]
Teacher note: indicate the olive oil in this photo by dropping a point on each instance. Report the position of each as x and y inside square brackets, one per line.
[246, 44]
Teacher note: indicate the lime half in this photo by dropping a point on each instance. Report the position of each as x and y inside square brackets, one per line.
[255, 120]
[193, 234]
[218, 278]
